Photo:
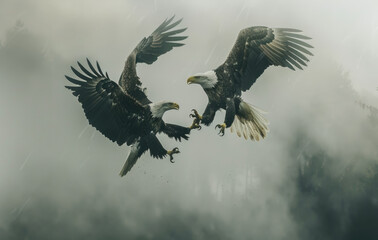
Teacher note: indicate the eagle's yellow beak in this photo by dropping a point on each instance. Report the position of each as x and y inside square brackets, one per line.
[191, 80]
[176, 106]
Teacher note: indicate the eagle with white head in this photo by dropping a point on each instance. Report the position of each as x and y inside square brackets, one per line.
[122, 112]
[255, 49]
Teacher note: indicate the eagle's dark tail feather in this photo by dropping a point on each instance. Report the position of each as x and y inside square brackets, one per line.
[250, 122]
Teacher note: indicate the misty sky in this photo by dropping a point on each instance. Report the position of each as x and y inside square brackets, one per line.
[311, 178]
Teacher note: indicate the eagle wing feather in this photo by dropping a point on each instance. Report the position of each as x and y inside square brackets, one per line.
[107, 107]
[147, 51]
[257, 48]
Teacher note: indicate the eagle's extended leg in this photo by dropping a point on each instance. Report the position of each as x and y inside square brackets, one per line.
[229, 118]
[206, 118]
[170, 153]
[196, 121]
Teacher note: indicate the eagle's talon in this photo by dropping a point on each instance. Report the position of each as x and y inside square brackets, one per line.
[170, 153]
[195, 125]
[196, 120]
[195, 115]
[221, 127]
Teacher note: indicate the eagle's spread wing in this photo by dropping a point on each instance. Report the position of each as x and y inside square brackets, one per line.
[256, 48]
[107, 107]
[147, 51]
[175, 131]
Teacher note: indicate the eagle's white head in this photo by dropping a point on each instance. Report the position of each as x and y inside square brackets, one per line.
[206, 80]
[158, 109]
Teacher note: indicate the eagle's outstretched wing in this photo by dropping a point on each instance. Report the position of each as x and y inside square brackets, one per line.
[176, 131]
[107, 107]
[256, 48]
[147, 51]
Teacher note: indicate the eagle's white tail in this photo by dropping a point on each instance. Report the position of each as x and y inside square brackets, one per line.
[250, 122]
[133, 156]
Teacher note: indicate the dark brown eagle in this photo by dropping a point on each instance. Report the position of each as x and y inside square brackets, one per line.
[255, 49]
[122, 112]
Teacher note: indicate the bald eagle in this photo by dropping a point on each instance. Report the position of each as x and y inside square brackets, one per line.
[122, 112]
[255, 49]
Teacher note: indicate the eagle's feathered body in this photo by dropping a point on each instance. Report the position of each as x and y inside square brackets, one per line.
[255, 49]
[122, 112]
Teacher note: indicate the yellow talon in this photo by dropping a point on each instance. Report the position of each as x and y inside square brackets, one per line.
[196, 121]
[222, 128]
[170, 153]
[195, 125]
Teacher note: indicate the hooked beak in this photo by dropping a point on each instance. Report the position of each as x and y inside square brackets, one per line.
[176, 106]
[191, 80]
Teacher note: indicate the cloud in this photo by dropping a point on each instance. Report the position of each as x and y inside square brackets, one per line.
[313, 177]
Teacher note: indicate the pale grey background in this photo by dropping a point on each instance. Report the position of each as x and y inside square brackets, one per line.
[313, 177]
